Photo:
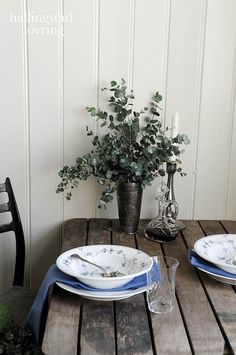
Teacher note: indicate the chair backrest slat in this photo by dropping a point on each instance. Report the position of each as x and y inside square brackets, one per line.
[4, 207]
[6, 228]
[2, 187]
[15, 226]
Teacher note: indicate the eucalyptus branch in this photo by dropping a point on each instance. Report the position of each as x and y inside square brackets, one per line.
[129, 152]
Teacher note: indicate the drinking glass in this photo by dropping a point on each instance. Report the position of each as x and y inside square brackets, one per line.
[161, 284]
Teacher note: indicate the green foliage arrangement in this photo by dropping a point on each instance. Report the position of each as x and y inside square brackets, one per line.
[133, 149]
[15, 340]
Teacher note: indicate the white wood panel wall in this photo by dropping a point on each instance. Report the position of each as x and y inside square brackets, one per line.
[186, 49]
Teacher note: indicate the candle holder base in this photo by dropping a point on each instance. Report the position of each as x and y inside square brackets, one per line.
[160, 237]
[179, 225]
[165, 227]
[160, 232]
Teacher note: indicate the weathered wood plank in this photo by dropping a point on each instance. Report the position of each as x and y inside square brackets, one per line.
[61, 331]
[97, 332]
[121, 238]
[230, 226]
[118, 238]
[211, 227]
[133, 335]
[97, 327]
[148, 246]
[75, 233]
[168, 330]
[222, 296]
[64, 310]
[99, 231]
[203, 330]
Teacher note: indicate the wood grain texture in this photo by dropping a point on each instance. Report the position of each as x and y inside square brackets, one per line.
[166, 341]
[222, 296]
[75, 233]
[119, 238]
[61, 331]
[230, 226]
[211, 227]
[133, 336]
[64, 310]
[99, 231]
[203, 320]
[97, 328]
[203, 330]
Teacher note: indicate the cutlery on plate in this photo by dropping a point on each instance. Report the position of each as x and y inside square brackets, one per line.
[105, 273]
[232, 261]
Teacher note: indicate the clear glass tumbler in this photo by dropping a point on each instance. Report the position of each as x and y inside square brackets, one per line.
[161, 284]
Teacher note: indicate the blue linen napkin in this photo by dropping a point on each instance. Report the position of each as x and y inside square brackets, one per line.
[197, 261]
[37, 316]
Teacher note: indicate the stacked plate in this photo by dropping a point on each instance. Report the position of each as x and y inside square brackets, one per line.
[128, 267]
[217, 257]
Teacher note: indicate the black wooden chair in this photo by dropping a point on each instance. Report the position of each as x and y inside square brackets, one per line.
[17, 297]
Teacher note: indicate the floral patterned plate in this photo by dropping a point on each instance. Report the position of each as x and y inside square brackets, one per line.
[218, 249]
[223, 279]
[103, 296]
[129, 261]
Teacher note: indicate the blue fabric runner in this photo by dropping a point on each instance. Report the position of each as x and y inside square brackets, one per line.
[197, 261]
[37, 315]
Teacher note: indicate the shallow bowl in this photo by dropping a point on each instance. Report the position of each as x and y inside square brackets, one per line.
[130, 261]
[218, 249]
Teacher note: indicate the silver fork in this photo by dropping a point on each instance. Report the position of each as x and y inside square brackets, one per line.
[105, 273]
[232, 261]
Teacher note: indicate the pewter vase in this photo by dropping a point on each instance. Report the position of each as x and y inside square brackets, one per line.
[129, 198]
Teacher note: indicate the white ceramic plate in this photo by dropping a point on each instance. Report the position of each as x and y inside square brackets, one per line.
[130, 261]
[224, 279]
[218, 249]
[103, 295]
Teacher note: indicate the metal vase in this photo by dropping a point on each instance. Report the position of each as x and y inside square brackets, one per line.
[129, 198]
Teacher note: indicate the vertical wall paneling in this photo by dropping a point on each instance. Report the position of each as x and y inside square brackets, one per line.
[166, 60]
[216, 122]
[52, 68]
[96, 66]
[151, 46]
[130, 78]
[197, 110]
[231, 201]
[114, 58]
[27, 224]
[79, 47]
[12, 137]
[182, 93]
[61, 110]
[44, 134]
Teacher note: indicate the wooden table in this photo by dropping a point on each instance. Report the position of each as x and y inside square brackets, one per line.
[202, 322]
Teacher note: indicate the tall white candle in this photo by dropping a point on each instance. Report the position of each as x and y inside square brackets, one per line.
[175, 125]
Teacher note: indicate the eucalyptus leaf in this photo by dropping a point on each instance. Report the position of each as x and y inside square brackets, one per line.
[113, 83]
[133, 149]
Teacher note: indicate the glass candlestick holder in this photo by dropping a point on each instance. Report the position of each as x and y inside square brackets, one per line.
[165, 227]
